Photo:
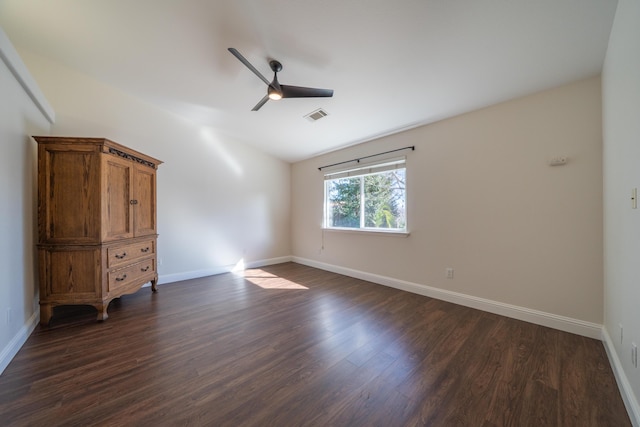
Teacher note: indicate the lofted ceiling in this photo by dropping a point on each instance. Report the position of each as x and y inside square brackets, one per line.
[392, 64]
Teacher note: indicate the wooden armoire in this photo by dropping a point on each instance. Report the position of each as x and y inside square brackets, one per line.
[97, 230]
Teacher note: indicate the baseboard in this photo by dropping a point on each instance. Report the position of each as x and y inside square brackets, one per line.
[187, 275]
[270, 261]
[16, 343]
[628, 396]
[567, 324]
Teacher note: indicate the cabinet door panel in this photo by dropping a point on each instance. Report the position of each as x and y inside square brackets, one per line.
[118, 194]
[145, 195]
[73, 273]
[73, 213]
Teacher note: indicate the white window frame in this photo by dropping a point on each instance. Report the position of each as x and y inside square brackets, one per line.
[362, 170]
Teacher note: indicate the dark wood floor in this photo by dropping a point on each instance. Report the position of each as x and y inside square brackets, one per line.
[289, 345]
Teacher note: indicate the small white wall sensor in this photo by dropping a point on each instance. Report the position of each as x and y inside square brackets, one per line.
[558, 161]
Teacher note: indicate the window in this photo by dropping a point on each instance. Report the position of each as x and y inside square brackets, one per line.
[368, 198]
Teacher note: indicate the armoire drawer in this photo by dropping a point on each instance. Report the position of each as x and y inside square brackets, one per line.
[135, 272]
[125, 254]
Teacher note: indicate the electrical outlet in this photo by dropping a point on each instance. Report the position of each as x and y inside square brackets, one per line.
[8, 319]
[634, 355]
[159, 261]
[449, 273]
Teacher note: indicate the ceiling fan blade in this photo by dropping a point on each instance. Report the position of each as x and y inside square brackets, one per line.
[247, 64]
[305, 92]
[261, 103]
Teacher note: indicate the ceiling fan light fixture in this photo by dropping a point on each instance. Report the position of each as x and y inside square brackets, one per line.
[274, 93]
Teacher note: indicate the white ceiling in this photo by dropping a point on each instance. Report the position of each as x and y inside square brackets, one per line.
[392, 64]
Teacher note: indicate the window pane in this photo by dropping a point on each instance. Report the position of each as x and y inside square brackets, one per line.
[371, 201]
[384, 200]
[343, 202]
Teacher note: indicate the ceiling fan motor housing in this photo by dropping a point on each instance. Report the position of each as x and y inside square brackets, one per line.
[275, 66]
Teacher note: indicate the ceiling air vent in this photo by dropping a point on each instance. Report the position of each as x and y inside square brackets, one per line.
[316, 115]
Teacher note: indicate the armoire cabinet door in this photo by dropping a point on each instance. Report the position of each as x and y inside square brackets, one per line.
[144, 208]
[69, 205]
[117, 198]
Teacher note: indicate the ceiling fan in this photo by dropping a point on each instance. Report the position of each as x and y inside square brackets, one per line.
[277, 91]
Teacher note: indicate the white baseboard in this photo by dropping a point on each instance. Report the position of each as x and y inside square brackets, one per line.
[628, 396]
[270, 261]
[9, 352]
[177, 277]
[567, 324]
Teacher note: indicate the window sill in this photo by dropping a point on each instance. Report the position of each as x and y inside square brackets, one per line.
[368, 231]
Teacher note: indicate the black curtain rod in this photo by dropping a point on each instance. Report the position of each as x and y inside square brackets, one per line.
[412, 147]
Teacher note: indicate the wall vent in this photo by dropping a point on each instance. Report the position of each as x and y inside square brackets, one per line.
[316, 115]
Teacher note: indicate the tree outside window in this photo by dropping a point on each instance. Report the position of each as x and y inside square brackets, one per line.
[375, 201]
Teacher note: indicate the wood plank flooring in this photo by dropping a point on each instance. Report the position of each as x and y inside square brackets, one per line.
[290, 345]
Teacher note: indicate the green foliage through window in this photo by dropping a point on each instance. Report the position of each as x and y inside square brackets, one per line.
[372, 201]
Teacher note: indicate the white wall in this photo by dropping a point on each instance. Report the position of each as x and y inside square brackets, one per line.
[20, 117]
[219, 201]
[483, 200]
[621, 126]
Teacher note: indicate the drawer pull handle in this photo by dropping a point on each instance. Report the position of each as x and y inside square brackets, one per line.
[144, 250]
[124, 254]
[120, 279]
[145, 269]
